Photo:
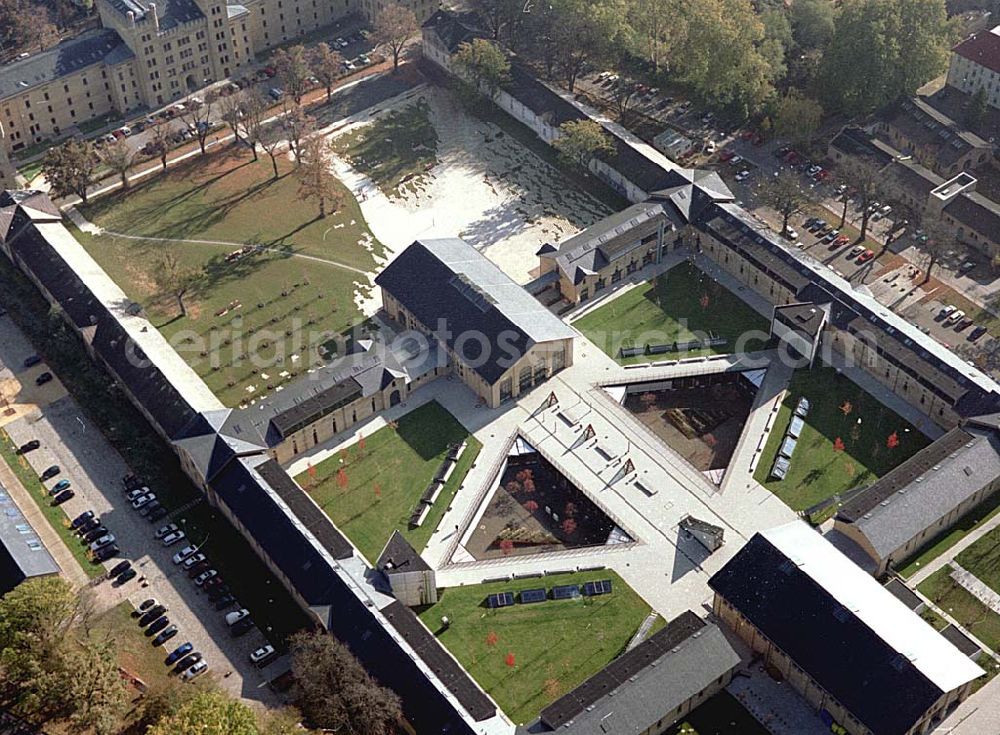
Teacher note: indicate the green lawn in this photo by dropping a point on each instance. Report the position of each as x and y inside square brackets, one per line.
[721, 715]
[282, 305]
[944, 592]
[983, 558]
[394, 150]
[950, 536]
[385, 480]
[818, 470]
[136, 654]
[53, 514]
[673, 307]
[556, 644]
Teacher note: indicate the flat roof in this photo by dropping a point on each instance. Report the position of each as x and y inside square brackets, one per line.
[21, 542]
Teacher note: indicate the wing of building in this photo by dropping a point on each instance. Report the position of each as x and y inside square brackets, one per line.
[836, 635]
[23, 556]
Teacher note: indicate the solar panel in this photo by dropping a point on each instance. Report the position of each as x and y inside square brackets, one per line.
[500, 599]
[535, 595]
[566, 592]
[601, 587]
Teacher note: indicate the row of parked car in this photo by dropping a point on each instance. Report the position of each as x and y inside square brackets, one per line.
[143, 499]
[187, 663]
[951, 316]
[98, 538]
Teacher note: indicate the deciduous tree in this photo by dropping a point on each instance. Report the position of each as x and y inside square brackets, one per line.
[483, 65]
[174, 278]
[159, 143]
[231, 111]
[861, 174]
[812, 23]
[797, 117]
[69, 168]
[581, 140]
[394, 26]
[292, 68]
[784, 194]
[334, 691]
[326, 65]
[297, 127]
[208, 713]
[585, 31]
[500, 16]
[118, 156]
[97, 690]
[316, 180]
[255, 108]
[198, 118]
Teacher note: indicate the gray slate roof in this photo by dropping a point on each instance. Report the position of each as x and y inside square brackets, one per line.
[888, 521]
[19, 542]
[87, 49]
[171, 13]
[398, 555]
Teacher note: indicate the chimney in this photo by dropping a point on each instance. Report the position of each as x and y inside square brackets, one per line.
[131, 19]
[156, 18]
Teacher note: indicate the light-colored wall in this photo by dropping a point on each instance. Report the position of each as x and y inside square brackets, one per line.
[968, 76]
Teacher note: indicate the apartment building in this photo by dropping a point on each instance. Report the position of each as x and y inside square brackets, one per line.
[975, 65]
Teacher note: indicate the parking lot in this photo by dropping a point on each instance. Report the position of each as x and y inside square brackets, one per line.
[94, 472]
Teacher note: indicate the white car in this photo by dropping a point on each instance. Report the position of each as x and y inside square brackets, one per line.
[262, 655]
[204, 577]
[184, 554]
[956, 316]
[947, 310]
[143, 499]
[193, 560]
[166, 530]
[743, 175]
[236, 616]
[172, 538]
[133, 494]
[105, 540]
[195, 671]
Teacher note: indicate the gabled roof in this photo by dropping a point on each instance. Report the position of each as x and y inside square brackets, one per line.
[455, 28]
[982, 48]
[398, 555]
[457, 292]
[212, 440]
[880, 660]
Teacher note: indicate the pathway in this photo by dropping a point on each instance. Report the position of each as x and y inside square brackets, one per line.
[975, 586]
[70, 567]
[946, 558]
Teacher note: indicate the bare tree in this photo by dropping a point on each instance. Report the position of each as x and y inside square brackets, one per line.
[293, 70]
[255, 108]
[784, 194]
[393, 28]
[297, 126]
[623, 95]
[118, 157]
[864, 177]
[159, 143]
[198, 118]
[326, 65]
[316, 180]
[940, 240]
[174, 278]
[270, 140]
[231, 111]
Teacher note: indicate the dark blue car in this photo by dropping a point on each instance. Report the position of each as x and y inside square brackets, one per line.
[181, 650]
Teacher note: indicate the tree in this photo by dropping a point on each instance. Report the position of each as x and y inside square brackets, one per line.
[623, 94]
[99, 693]
[69, 168]
[334, 691]
[812, 23]
[976, 111]
[863, 176]
[656, 26]
[581, 140]
[483, 65]
[255, 108]
[118, 156]
[882, 49]
[208, 713]
[394, 26]
[270, 140]
[26, 26]
[326, 65]
[174, 278]
[940, 241]
[297, 127]
[198, 118]
[35, 618]
[159, 143]
[585, 31]
[498, 15]
[231, 111]
[784, 194]
[316, 180]
[292, 69]
[797, 117]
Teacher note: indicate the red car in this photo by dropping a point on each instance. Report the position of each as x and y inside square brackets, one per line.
[865, 257]
[746, 134]
[727, 154]
[822, 175]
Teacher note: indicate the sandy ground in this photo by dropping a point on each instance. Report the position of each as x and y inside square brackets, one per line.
[486, 188]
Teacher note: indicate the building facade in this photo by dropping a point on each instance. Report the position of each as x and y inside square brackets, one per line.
[975, 65]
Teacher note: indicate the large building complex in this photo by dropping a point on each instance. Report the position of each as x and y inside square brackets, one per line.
[975, 65]
[838, 637]
[149, 52]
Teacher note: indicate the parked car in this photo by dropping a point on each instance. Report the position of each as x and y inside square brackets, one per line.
[178, 653]
[132, 482]
[743, 175]
[172, 538]
[63, 497]
[59, 487]
[241, 628]
[109, 551]
[963, 325]
[94, 534]
[195, 671]
[165, 635]
[955, 317]
[49, 473]
[152, 614]
[275, 93]
[119, 568]
[184, 554]
[105, 540]
[143, 607]
[218, 592]
[131, 495]
[187, 662]
[262, 655]
[166, 530]
[125, 576]
[976, 333]
[81, 519]
[966, 266]
[154, 512]
[855, 251]
[156, 626]
[193, 560]
[31, 361]
[143, 499]
[205, 576]
[29, 446]
[88, 526]
[198, 569]
[225, 601]
[236, 616]
[865, 257]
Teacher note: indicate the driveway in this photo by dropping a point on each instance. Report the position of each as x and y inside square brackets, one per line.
[70, 440]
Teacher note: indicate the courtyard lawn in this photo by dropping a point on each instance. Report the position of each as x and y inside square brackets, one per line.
[950, 536]
[673, 307]
[527, 656]
[395, 150]
[818, 471]
[975, 617]
[248, 316]
[982, 558]
[382, 482]
[721, 715]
